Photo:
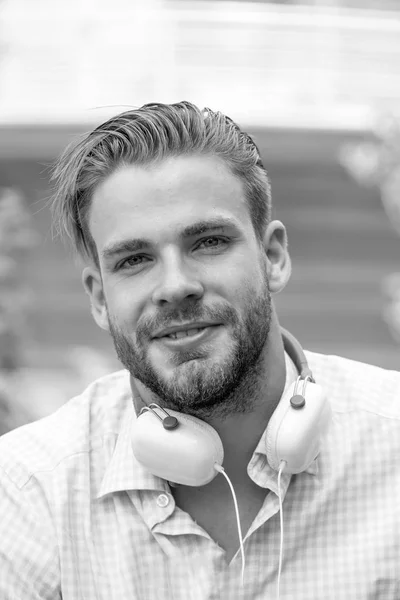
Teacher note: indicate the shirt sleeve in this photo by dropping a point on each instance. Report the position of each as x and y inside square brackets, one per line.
[29, 558]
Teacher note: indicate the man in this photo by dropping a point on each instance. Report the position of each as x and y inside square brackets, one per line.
[170, 206]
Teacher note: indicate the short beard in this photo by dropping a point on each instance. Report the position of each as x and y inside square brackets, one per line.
[204, 390]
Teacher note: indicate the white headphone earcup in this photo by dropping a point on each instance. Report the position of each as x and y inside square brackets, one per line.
[272, 433]
[185, 455]
[294, 434]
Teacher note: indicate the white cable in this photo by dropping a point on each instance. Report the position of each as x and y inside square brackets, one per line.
[281, 469]
[221, 469]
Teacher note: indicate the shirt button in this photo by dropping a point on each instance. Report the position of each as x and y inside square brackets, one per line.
[163, 500]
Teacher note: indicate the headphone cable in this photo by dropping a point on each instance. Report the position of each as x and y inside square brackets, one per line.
[281, 469]
[221, 470]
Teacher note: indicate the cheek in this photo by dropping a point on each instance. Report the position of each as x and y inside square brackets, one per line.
[247, 282]
[123, 305]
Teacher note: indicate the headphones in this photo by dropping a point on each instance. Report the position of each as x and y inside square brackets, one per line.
[185, 450]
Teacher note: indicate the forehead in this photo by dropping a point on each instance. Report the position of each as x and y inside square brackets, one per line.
[157, 200]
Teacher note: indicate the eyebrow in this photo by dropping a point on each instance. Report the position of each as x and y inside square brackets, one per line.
[134, 245]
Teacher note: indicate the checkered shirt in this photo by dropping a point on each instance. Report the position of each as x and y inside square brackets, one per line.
[80, 519]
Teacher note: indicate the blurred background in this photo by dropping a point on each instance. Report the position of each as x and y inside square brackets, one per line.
[315, 82]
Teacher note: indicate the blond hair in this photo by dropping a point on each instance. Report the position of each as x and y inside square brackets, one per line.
[147, 135]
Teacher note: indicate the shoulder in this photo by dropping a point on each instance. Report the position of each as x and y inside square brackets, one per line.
[353, 385]
[79, 426]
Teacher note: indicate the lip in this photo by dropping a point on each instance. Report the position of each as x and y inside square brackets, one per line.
[205, 335]
[184, 327]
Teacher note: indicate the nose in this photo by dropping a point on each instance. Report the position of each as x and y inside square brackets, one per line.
[178, 282]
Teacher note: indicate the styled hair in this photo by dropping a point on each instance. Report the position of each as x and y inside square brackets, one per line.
[147, 135]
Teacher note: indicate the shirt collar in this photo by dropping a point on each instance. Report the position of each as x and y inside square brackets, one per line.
[124, 472]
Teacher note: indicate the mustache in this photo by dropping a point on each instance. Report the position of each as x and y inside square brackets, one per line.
[149, 325]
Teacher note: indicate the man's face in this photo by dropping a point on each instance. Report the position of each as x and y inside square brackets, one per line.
[177, 249]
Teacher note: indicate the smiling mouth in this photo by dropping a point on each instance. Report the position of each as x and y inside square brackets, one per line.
[189, 338]
[186, 333]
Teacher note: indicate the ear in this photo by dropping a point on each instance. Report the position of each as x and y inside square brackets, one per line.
[279, 266]
[93, 284]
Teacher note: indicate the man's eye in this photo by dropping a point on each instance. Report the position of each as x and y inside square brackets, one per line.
[212, 242]
[131, 261]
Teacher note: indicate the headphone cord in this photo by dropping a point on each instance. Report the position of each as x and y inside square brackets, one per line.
[221, 470]
[282, 466]
[281, 469]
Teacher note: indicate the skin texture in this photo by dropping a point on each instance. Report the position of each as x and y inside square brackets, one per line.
[234, 379]
[218, 276]
[221, 275]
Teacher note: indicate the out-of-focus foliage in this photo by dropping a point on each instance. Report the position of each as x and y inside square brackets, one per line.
[16, 239]
[376, 162]
[373, 160]
[27, 392]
